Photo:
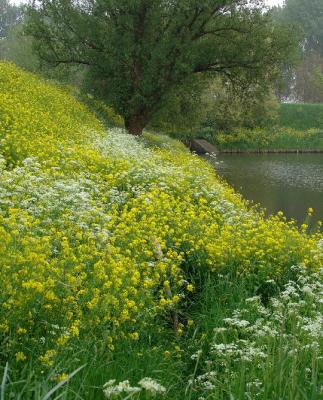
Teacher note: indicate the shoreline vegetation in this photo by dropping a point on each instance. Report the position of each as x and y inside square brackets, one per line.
[271, 151]
[203, 147]
[130, 270]
[276, 140]
[298, 129]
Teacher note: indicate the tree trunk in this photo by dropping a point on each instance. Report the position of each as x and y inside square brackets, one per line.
[135, 124]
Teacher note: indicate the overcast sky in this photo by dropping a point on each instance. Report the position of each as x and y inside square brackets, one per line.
[270, 2]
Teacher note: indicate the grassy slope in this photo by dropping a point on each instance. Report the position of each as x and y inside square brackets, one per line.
[299, 127]
[301, 116]
[271, 139]
[106, 242]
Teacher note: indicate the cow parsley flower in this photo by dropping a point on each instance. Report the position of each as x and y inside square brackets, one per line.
[152, 386]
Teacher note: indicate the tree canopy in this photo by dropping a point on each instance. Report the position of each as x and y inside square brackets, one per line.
[9, 16]
[309, 16]
[305, 82]
[138, 52]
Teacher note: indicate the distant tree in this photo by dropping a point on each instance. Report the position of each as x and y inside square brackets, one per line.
[17, 47]
[308, 83]
[308, 14]
[304, 83]
[9, 16]
[139, 52]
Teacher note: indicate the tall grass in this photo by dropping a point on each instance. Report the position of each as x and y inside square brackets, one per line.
[247, 342]
[265, 346]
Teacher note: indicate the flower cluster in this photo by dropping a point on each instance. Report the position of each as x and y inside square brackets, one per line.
[112, 390]
[260, 345]
[100, 231]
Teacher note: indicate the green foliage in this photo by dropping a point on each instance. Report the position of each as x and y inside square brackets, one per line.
[308, 83]
[139, 53]
[275, 138]
[159, 141]
[183, 111]
[221, 106]
[309, 16]
[305, 82]
[238, 343]
[103, 112]
[296, 127]
[301, 116]
[111, 247]
[229, 107]
[259, 348]
[9, 16]
[17, 48]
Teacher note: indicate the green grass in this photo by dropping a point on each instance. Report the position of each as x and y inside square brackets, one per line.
[301, 116]
[270, 139]
[247, 342]
[256, 341]
[123, 259]
[298, 127]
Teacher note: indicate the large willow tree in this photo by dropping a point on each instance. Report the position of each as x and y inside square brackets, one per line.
[137, 52]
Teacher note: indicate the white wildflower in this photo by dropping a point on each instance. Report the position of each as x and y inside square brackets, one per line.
[237, 322]
[152, 386]
[111, 390]
[308, 290]
[256, 384]
[220, 330]
[208, 385]
[254, 299]
[196, 355]
[224, 349]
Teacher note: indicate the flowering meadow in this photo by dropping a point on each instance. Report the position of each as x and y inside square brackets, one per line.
[109, 244]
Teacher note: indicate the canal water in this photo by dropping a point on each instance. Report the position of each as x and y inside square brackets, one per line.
[291, 183]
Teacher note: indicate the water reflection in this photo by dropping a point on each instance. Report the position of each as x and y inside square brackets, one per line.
[288, 182]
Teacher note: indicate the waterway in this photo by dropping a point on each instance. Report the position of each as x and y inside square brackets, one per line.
[291, 183]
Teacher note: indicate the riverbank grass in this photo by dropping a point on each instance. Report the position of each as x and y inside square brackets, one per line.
[298, 128]
[271, 140]
[124, 259]
[301, 117]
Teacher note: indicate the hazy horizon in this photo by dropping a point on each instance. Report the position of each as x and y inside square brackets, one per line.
[269, 2]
